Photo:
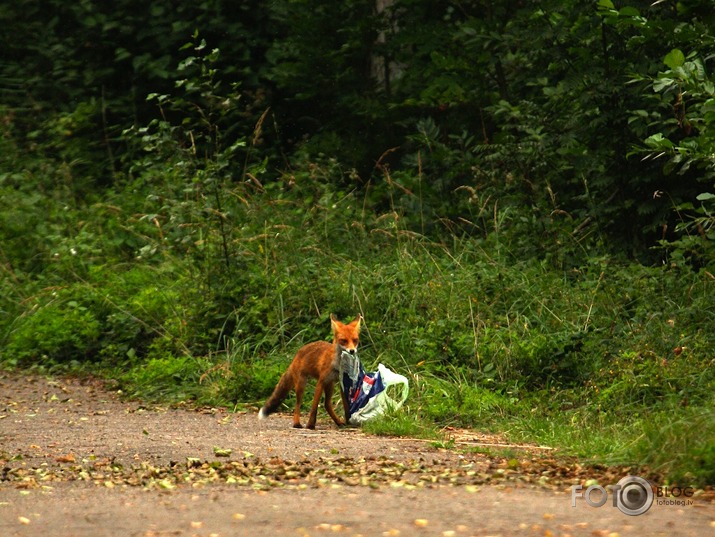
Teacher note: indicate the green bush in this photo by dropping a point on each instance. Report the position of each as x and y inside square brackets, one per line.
[169, 378]
[57, 329]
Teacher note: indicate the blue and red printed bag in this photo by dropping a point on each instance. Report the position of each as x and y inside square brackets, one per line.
[367, 393]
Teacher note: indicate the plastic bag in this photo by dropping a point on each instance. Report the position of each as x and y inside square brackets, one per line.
[367, 393]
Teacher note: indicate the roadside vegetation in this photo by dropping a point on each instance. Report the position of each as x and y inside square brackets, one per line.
[536, 258]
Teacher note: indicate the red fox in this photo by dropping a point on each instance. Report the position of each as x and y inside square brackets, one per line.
[319, 360]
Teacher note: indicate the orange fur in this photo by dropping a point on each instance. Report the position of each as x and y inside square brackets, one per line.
[318, 360]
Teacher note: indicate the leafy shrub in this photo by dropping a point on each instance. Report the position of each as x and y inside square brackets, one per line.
[686, 144]
[169, 378]
[58, 329]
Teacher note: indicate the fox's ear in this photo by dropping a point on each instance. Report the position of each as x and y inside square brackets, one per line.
[357, 320]
[334, 321]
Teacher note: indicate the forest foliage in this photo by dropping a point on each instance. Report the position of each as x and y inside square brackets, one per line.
[518, 197]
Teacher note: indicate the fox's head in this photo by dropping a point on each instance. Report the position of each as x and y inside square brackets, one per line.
[346, 336]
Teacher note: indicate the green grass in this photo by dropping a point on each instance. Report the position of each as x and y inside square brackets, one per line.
[680, 444]
[402, 423]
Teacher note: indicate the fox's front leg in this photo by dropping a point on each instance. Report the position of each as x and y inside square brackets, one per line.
[329, 405]
[346, 405]
[314, 407]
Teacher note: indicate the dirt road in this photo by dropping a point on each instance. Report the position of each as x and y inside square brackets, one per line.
[78, 461]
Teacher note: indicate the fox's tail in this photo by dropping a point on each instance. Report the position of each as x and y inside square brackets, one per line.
[281, 391]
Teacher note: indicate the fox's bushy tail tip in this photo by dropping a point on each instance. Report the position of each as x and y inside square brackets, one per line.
[285, 384]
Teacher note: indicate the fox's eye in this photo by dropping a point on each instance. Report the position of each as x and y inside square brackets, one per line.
[343, 342]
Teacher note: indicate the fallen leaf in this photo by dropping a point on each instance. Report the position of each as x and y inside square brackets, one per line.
[222, 452]
[421, 522]
[23, 520]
